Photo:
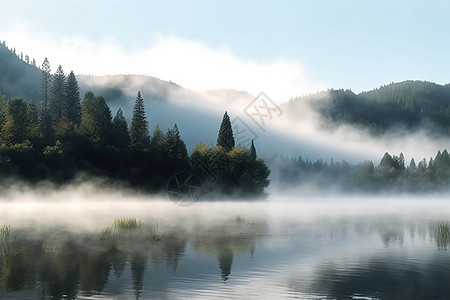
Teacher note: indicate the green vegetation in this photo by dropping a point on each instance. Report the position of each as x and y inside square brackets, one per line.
[391, 174]
[406, 105]
[443, 235]
[66, 135]
[6, 242]
[127, 224]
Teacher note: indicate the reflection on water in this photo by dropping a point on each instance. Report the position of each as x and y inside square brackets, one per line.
[303, 249]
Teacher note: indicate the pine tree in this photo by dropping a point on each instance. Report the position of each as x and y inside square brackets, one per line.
[121, 136]
[175, 146]
[96, 119]
[15, 129]
[158, 141]
[57, 96]
[225, 138]
[33, 120]
[252, 152]
[73, 102]
[46, 81]
[139, 134]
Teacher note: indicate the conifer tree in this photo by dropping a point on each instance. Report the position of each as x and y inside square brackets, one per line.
[73, 101]
[96, 119]
[158, 141]
[252, 152]
[14, 130]
[175, 146]
[225, 138]
[46, 81]
[57, 96]
[139, 134]
[33, 119]
[121, 137]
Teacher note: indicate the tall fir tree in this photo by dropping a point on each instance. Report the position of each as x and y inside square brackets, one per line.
[175, 147]
[121, 136]
[139, 134]
[45, 122]
[57, 96]
[225, 138]
[73, 101]
[46, 83]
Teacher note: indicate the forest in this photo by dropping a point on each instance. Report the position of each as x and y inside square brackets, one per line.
[392, 174]
[408, 105]
[68, 137]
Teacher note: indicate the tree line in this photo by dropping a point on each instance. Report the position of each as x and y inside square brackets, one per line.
[409, 105]
[392, 174]
[68, 135]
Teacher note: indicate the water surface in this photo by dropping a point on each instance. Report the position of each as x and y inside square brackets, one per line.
[59, 246]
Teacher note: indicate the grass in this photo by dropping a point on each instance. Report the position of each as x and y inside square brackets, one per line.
[127, 224]
[6, 241]
[443, 234]
[240, 219]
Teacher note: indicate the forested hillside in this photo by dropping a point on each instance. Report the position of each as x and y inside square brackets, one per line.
[407, 105]
[18, 77]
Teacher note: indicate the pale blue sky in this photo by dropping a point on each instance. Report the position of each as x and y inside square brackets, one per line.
[321, 44]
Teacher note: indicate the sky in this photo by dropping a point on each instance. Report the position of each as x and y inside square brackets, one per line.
[284, 48]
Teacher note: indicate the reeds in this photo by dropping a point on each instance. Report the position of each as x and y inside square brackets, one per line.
[443, 235]
[6, 242]
[127, 224]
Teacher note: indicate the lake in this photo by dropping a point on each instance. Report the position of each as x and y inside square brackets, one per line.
[86, 244]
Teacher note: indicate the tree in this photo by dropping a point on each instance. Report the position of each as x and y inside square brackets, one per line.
[252, 152]
[139, 135]
[158, 141]
[15, 129]
[225, 138]
[121, 137]
[73, 102]
[176, 148]
[96, 119]
[33, 120]
[57, 96]
[46, 81]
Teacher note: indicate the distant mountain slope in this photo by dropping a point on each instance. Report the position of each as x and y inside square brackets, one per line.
[408, 105]
[17, 78]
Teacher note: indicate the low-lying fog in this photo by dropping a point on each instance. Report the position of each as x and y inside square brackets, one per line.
[87, 207]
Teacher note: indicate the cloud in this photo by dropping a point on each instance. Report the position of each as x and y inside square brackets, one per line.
[191, 64]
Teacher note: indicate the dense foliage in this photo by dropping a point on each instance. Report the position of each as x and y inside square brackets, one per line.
[68, 136]
[391, 174]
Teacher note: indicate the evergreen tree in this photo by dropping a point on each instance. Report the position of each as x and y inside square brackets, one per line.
[96, 119]
[46, 81]
[252, 152]
[175, 146]
[14, 130]
[73, 102]
[225, 138]
[33, 120]
[139, 135]
[57, 96]
[158, 141]
[121, 137]
[412, 164]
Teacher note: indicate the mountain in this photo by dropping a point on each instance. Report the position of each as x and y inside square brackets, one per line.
[18, 78]
[294, 128]
[410, 105]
